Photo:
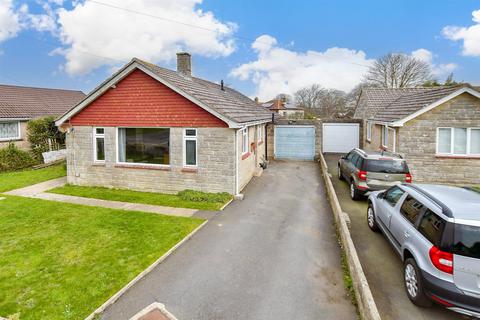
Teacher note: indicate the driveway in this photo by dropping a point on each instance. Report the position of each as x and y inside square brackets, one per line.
[382, 267]
[273, 255]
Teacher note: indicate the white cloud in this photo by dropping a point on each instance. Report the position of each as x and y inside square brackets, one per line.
[437, 69]
[120, 35]
[279, 70]
[469, 35]
[9, 20]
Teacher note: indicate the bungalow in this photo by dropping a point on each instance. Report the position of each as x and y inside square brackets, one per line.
[148, 128]
[20, 104]
[436, 129]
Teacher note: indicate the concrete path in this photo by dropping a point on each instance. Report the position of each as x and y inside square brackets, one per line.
[38, 191]
[273, 255]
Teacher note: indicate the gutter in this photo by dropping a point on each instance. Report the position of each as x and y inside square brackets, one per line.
[237, 187]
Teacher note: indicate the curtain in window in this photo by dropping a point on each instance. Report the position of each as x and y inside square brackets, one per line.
[122, 155]
[8, 130]
[475, 141]
[444, 140]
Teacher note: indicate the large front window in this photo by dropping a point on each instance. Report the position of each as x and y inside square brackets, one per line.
[9, 130]
[144, 145]
[458, 141]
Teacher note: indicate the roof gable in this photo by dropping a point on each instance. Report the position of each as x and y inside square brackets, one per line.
[138, 100]
[229, 105]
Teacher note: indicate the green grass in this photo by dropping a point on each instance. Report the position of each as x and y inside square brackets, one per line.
[159, 199]
[62, 261]
[19, 179]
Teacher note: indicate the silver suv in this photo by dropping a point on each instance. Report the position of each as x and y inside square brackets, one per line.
[371, 171]
[436, 231]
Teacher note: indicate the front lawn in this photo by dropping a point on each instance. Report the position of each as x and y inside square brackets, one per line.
[19, 179]
[62, 261]
[211, 202]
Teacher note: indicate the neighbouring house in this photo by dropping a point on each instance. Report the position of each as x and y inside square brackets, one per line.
[436, 129]
[284, 108]
[20, 104]
[148, 128]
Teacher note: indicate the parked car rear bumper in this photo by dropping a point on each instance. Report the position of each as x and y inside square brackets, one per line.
[448, 292]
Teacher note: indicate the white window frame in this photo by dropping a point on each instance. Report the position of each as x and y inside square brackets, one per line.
[385, 136]
[190, 138]
[18, 137]
[95, 137]
[452, 142]
[369, 131]
[245, 140]
[133, 164]
[261, 131]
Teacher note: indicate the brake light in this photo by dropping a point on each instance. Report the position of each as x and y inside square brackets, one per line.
[362, 175]
[443, 261]
[408, 178]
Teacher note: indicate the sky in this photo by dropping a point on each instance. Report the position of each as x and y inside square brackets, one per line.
[261, 48]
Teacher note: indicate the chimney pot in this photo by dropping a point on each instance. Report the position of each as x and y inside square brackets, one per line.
[184, 63]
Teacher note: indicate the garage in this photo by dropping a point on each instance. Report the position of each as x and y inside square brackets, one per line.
[340, 137]
[294, 142]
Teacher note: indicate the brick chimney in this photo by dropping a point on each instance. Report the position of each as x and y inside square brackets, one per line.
[184, 63]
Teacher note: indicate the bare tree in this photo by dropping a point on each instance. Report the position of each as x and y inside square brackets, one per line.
[397, 70]
[322, 102]
[309, 97]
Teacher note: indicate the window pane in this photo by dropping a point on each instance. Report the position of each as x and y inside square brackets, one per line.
[191, 152]
[100, 130]
[100, 149]
[475, 141]
[444, 140]
[460, 141]
[8, 130]
[387, 166]
[145, 145]
[467, 241]
[411, 209]
[191, 132]
[393, 195]
[432, 227]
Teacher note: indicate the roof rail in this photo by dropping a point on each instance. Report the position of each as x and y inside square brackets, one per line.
[445, 210]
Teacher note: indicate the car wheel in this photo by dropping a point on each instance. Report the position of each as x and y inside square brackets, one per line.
[339, 172]
[371, 220]
[413, 284]
[354, 193]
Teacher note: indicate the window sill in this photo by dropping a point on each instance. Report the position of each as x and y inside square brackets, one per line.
[11, 140]
[259, 143]
[245, 155]
[189, 170]
[98, 164]
[369, 140]
[143, 167]
[453, 156]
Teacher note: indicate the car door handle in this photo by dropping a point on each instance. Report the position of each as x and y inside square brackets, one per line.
[406, 234]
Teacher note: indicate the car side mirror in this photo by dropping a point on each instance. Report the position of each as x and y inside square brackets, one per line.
[381, 195]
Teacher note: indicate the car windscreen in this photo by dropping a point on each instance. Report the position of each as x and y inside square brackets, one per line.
[466, 241]
[387, 166]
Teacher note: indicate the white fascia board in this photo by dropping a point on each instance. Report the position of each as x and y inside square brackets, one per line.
[123, 74]
[400, 123]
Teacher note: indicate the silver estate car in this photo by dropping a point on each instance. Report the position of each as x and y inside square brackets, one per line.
[435, 229]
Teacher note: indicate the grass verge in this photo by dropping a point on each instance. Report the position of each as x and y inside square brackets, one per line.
[19, 179]
[159, 199]
[62, 261]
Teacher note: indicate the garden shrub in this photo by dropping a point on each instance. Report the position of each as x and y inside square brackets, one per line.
[44, 136]
[12, 158]
[198, 196]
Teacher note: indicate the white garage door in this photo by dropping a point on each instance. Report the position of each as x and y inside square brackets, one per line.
[340, 137]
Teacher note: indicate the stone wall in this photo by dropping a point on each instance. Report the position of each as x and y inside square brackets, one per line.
[23, 142]
[215, 173]
[376, 142]
[417, 141]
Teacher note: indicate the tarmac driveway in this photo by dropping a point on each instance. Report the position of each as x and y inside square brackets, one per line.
[382, 267]
[273, 255]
